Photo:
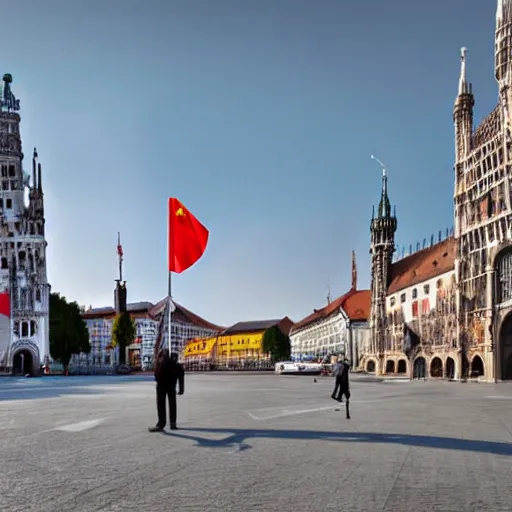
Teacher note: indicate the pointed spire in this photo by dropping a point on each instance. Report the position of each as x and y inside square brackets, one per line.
[384, 210]
[39, 179]
[328, 294]
[34, 158]
[354, 271]
[463, 84]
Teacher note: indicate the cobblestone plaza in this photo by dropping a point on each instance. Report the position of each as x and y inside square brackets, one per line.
[255, 443]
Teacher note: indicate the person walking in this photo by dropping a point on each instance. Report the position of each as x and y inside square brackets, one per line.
[168, 374]
[337, 372]
[343, 385]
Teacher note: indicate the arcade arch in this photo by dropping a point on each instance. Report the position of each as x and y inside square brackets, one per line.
[402, 366]
[436, 367]
[449, 369]
[420, 368]
[370, 366]
[505, 349]
[477, 367]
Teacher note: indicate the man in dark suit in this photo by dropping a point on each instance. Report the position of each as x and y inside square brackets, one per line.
[168, 374]
[342, 383]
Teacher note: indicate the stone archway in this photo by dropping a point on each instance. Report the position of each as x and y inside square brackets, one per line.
[420, 368]
[370, 366]
[477, 367]
[24, 358]
[402, 366]
[502, 265]
[23, 363]
[449, 369]
[436, 368]
[505, 349]
[390, 366]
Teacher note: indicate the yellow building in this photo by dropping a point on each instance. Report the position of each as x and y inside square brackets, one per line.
[239, 346]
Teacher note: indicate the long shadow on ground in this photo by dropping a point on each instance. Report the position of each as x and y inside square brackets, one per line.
[238, 438]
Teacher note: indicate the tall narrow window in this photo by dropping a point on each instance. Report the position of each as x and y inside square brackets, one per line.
[504, 275]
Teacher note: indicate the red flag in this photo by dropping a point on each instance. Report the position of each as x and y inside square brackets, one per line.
[187, 237]
[5, 304]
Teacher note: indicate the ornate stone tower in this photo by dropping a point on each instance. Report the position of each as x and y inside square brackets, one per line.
[463, 117]
[22, 246]
[503, 58]
[382, 229]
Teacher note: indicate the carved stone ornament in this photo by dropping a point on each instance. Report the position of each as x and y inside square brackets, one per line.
[9, 144]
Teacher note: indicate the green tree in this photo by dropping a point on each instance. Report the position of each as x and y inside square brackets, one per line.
[277, 344]
[68, 331]
[124, 332]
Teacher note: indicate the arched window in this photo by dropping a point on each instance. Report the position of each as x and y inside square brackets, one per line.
[504, 277]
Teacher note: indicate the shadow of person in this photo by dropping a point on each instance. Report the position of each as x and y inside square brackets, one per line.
[238, 438]
[234, 440]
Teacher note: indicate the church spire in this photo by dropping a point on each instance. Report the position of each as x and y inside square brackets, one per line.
[354, 271]
[384, 210]
[464, 87]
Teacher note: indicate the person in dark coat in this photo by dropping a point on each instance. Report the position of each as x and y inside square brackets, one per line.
[342, 384]
[168, 374]
[338, 370]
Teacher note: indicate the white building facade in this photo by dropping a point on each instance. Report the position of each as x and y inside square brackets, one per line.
[341, 326]
[24, 348]
[147, 317]
[322, 337]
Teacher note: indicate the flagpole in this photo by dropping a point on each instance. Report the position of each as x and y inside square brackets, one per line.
[169, 320]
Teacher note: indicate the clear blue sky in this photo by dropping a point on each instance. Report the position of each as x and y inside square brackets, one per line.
[260, 115]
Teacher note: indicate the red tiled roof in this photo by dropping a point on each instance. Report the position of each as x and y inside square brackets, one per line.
[186, 314]
[139, 309]
[423, 265]
[357, 306]
[355, 303]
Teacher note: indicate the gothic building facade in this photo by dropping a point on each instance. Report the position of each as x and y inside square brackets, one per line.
[24, 346]
[447, 309]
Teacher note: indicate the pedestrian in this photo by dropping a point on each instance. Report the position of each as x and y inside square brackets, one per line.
[344, 387]
[337, 372]
[168, 374]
